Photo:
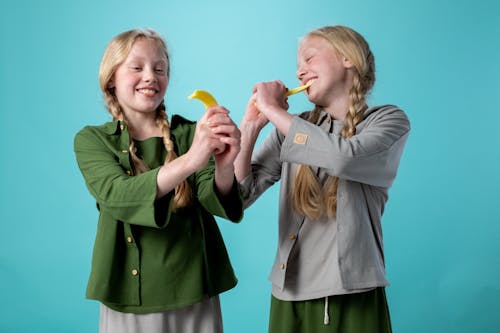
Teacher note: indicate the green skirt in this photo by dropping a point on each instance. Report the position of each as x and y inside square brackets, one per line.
[365, 312]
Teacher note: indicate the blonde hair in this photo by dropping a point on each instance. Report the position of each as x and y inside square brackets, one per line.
[309, 197]
[115, 54]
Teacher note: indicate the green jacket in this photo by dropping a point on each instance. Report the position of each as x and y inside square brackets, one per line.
[147, 258]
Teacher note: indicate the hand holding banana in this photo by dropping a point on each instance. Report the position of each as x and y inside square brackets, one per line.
[208, 100]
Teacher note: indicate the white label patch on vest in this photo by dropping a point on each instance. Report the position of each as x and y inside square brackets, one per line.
[300, 138]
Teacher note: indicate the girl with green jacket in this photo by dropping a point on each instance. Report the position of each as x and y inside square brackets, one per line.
[159, 260]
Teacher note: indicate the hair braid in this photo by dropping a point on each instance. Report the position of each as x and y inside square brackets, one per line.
[353, 117]
[308, 197]
[137, 163]
[115, 54]
[357, 104]
[183, 193]
[307, 192]
[116, 111]
[113, 106]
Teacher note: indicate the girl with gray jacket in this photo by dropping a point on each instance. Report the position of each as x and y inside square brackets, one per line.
[336, 164]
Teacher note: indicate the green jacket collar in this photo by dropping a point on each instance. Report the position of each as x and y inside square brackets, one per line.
[116, 127]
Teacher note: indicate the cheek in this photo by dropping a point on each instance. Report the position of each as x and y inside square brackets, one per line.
[164, 82]
[163, 85]
[123, 89]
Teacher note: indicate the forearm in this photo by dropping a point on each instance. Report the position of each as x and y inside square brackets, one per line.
[224, 179]
[370, 157]
[280, 118]
[242, 163]
[172, 174]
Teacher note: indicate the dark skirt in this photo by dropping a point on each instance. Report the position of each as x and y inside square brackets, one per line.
[365, 312]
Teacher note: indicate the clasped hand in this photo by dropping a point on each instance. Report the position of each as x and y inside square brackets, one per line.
[216, 134]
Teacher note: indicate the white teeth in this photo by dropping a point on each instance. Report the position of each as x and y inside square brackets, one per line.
[147, 92]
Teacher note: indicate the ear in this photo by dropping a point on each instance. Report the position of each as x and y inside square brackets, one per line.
[111, 84]
[347, 63]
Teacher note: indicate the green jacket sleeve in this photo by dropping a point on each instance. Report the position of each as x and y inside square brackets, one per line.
[126, 198]
[229, 207]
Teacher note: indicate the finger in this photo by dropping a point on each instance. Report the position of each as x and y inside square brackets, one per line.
[203, 118]
[255, 88]
[230, 141]
[284, 104]
[218, 120]
[230, 130]
[214, 142]
[217, 114]
[219, 148]
[222, 117]
[252, 102]
[217, 109]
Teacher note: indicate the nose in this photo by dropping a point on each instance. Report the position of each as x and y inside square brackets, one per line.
[149, 75]
[301, 72]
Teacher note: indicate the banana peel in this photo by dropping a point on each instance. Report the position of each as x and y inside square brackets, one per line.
[299, 88]
[205, 97]
[208, 100]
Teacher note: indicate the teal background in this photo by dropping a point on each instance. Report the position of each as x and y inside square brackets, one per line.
[438, 60]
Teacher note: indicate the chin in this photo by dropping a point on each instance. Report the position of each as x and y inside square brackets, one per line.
[313, 99]
[150, 106]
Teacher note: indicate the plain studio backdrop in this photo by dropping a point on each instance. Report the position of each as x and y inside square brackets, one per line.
[437, 60]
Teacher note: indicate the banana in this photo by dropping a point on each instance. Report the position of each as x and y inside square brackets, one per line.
[208, 100]
[299, 88]
[205, 97]
[295, 90]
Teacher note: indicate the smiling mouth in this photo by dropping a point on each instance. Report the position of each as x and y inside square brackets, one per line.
[149, 92]
[309, 81]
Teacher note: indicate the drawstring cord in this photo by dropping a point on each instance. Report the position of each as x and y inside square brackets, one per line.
[326, 320]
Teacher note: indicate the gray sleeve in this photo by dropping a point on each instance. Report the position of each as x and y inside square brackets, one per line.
[266, 169]
[370, 157]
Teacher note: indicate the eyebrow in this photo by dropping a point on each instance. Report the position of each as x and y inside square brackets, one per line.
[142, 59]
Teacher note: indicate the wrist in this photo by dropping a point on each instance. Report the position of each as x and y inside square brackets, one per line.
[249, 131]
[223, 171]
[188, 163]
[224, 180]
[271, 109]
